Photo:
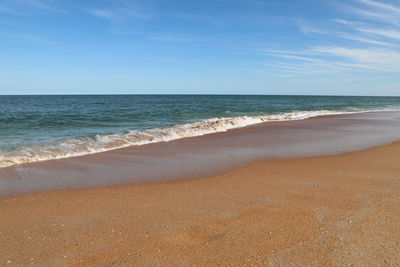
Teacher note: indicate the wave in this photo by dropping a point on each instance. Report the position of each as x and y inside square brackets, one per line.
[88, 145]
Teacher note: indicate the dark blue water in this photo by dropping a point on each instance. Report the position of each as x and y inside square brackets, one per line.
[43, 127]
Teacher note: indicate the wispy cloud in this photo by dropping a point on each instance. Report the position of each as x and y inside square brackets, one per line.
[372, 43]
[49, 6]
[38, 39]
[392, 34]
[364, 39]
[296, 57]
[388, 58]
[118, 14]
[205, 18]
[30, 38]
[329, 61]
[381, 5]
[9, 11]
[102, 13]
[357, 34]
[310, 29]
[336, 59]
[377, 11]
[175, 38]
[379, 16]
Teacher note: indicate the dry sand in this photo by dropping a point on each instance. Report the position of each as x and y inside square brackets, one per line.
[322, 211]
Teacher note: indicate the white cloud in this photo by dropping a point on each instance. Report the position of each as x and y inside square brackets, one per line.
[44, 5]
[387, 7]
[343, 21]
[322, 60]
[175, 38]
[374, 46]
[393, 34]
[363, 39]
[376, 11]
[122, 13]
[301, 58]
[308, 29]
[102, 13]
[388, 58]
[8, 10]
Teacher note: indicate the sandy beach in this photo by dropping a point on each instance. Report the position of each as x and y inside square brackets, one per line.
[316, 211]
[199, 133]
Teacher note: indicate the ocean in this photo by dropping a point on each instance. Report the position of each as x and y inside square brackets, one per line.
[37, 128]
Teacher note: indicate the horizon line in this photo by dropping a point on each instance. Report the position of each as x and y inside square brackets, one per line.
[172, 94]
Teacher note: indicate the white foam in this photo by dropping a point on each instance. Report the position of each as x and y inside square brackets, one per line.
[101, 143]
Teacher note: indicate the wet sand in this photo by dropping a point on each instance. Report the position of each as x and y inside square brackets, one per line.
[316, 211]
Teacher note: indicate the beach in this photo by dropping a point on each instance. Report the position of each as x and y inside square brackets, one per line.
[199, 133]
[318, 211]
[311, 210]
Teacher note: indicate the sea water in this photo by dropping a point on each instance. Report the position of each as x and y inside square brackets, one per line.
[36, 128]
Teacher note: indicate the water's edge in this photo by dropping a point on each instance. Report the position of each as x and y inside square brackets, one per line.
[203, 156]
[75, 147]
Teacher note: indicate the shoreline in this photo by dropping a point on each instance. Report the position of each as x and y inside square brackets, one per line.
[205, 155]
[271, 119]
[326, 210]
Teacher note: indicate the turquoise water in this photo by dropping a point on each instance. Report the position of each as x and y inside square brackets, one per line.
[34, 128]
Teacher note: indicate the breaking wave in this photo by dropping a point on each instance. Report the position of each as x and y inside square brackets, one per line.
[87, 145]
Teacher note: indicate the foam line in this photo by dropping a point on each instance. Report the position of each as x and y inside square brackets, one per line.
[100, 143]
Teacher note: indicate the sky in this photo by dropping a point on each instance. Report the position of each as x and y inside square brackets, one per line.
[324, 47]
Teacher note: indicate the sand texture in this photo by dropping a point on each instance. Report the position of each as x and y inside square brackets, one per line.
[317, 211]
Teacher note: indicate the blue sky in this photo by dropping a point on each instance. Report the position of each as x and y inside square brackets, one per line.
[324, 47]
